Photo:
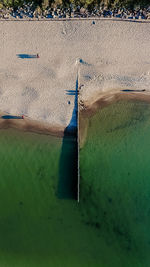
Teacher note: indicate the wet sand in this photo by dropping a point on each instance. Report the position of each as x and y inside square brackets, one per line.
[88, 109]
[30, 125]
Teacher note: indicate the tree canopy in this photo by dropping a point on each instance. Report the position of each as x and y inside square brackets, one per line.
[82, 3]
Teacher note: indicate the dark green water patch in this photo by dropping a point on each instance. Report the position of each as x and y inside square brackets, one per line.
[68, 172]
[115, 180]
[38, 228]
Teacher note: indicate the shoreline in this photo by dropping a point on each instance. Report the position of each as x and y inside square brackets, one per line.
[29, 125]
[88, 109]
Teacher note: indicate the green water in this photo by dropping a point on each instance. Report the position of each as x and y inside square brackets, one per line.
[115, 182]
[40, 223]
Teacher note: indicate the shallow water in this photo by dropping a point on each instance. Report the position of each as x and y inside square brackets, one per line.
[42, 225]
[40, 222]
[115, 182]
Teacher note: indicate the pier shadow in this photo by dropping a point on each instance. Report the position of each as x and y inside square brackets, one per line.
[68, 165]
[26, 56]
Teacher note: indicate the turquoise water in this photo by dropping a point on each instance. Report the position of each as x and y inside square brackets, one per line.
[115, 182]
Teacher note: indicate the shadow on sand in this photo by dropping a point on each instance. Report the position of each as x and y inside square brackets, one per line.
[132, 90]
[10, 117]
[26, 56]
[68, 165]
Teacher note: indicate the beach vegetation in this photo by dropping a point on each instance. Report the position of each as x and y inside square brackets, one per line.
[88, 4]
[38, 10]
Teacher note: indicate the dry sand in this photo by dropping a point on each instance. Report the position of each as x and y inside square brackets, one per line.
[108, 56]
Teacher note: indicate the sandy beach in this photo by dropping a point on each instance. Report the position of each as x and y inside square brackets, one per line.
[107, 57]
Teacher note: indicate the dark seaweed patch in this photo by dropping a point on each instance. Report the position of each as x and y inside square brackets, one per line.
[109, 199]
